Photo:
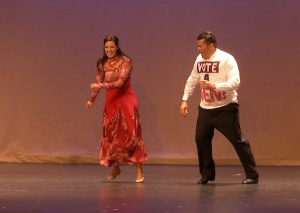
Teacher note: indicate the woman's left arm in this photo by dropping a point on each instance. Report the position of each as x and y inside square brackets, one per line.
[124, 73]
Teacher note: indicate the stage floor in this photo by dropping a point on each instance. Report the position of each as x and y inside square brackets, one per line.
[66, 188]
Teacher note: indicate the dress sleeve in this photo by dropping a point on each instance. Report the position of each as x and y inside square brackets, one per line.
[124, 73]
[99, 80]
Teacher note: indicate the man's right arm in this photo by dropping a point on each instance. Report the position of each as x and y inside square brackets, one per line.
[183, 108]
[190, 85]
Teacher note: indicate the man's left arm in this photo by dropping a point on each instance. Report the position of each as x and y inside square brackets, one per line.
[233, 76]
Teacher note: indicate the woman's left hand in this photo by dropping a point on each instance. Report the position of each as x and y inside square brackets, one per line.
[95, 85]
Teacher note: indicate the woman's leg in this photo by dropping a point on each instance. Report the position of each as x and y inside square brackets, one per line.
[115, 171]
[139, 171]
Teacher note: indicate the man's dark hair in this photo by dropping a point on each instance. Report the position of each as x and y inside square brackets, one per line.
[209, 38]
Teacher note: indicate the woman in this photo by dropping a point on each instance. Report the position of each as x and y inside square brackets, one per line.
[122, 140]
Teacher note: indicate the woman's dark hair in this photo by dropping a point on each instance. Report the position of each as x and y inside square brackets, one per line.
[119, 52]
[209, 38]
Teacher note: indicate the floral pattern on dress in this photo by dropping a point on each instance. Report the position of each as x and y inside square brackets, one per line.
[122, 140]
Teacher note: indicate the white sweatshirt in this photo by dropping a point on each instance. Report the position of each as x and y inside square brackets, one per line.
[220, 69]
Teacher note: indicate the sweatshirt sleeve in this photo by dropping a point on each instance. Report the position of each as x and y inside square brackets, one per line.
[233, 76]
[191, 83]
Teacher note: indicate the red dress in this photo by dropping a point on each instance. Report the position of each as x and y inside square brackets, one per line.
[122, 140]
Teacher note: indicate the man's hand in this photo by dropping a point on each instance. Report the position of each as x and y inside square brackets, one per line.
[184, 108]
[207, 85]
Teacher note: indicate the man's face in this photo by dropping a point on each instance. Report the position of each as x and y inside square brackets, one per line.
[205, 50]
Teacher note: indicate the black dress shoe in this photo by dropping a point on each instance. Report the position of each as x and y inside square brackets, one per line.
[250, 181]
[205, 180]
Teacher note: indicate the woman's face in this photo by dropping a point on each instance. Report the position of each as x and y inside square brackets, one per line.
[110, 49]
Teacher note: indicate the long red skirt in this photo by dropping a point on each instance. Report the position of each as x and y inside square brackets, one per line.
[122, 140]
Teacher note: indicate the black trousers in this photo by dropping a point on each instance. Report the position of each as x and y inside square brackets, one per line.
[226, 120]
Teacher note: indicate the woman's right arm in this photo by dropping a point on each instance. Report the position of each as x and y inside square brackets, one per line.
[95, 90]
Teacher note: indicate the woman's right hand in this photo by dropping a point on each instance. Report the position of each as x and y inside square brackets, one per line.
[89, 104]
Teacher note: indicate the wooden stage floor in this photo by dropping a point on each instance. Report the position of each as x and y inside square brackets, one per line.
[73, 188]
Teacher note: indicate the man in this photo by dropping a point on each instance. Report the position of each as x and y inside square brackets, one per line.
[218, 75]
